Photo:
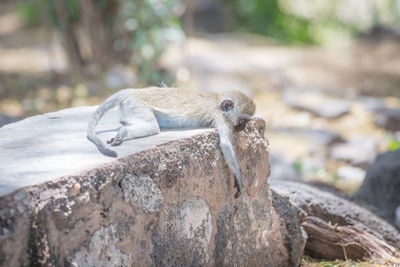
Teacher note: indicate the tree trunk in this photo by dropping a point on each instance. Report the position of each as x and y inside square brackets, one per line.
[343, 242]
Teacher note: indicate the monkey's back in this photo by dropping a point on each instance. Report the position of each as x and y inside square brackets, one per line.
[179, 108]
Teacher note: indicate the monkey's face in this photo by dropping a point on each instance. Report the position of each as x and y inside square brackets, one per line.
[238, 110]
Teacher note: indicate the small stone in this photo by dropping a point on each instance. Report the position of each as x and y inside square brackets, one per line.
[315, 102]
[75, 190]
[85, 198]
[350, 178]
[319, 136]
[351, 174]
[389, 119]
[281, 169]
[372, 104]
[359, 151]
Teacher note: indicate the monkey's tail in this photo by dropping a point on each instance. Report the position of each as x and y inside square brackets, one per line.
[109, 103]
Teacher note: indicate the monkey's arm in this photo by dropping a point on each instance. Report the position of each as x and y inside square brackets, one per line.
[225, 143]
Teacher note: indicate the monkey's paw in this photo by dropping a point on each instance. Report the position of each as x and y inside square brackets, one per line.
[238, 193]
[116, 141]
[239, 189]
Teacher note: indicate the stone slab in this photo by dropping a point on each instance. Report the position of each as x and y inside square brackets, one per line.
[49, 146]
[170, 205]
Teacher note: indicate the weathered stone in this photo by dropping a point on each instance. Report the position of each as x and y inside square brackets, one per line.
[170, 204]
[336, 210]
[388, 118]
[315, 102]
[360, 151]
[290, 219]
[44, 147]
[381, 185]
[101, 250]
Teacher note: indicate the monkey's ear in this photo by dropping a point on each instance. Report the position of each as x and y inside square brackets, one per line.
[226, 105]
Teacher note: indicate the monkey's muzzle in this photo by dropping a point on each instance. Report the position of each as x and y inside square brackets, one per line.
[241, 125]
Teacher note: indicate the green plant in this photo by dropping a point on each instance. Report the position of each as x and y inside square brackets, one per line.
[394, 144]
[268, 18]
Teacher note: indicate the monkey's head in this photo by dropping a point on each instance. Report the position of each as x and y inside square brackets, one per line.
[237, 108]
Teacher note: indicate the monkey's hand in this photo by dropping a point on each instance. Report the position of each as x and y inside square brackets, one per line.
[116, 141]
[239, 189]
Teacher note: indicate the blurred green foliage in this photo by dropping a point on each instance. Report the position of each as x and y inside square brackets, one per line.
[312, 21]
[394, 144]
[266, 17]
[35, 12]
[152, 24]
[137, 31]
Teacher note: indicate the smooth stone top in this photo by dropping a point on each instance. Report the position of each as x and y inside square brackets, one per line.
[46, 147]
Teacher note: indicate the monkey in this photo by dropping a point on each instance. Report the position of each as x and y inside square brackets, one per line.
[144, 111]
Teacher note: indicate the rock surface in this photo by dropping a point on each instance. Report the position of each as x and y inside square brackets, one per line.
[290, 219]
[166, 205]
[336, 210]
[381, 186]
[45, 147]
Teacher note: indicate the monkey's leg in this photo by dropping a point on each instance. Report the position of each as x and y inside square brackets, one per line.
[138, 121]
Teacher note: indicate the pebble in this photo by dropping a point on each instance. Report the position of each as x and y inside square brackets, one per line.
[315, 102]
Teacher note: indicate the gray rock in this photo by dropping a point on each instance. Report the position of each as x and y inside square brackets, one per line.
[336, 210]
[320, 136]
[315, 102]
[40, 148]
[359, 151]
[389, 119]
[372, 104]
[5, 119]
[397, 219]
[351, 174]
[281, 169]
[168, 200]
[293, 233]
[381, 185]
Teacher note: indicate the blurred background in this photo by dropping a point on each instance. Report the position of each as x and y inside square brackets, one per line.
[325, 74]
